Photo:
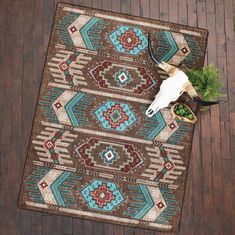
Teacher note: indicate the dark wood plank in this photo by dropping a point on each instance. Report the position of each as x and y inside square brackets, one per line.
[11, 122]
[36, 223]
[2, 63]
[107, 5]
[97, 4]
[29, 80]
[196, 164]
[6, 54]
[173, 11]
[67, 228]
[87, 3]
[48, 12]
[135, 7]
[144, 8]
[16, 70]
[126, 6]
[116, 5]
[88, 227]
[215, 126]
[78, 227]
[192, 12]
[182, 4]
[228, 197]
[154, 10]
[118, 230]
[9, 183]
[164, 10]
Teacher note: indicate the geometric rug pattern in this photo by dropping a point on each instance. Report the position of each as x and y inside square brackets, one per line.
[93, 153]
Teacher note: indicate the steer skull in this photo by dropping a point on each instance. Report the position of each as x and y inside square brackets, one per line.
[173, 87]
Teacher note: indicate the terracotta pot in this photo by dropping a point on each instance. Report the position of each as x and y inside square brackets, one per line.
[175, 116]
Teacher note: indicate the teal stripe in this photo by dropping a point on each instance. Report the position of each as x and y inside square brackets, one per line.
[149, 203]
[158, 128]
[55, 188]
[174, 47]
[84, 32]
[69, 108]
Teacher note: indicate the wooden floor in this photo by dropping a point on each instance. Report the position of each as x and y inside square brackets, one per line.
[209, 206]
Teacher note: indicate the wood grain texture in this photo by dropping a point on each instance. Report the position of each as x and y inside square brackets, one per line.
[25, 25]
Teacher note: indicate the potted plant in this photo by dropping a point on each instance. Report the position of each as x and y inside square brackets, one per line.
[206, 82]
[182, 112]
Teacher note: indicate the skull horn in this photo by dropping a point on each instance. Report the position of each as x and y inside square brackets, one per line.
[150, 50]
[169, 69]
[195, 97]
[198, 100]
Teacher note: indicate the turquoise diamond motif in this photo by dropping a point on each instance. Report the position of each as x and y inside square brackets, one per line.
[109, 155]
[129, 40]
[122, 77]
[102, 195]
[115, 116]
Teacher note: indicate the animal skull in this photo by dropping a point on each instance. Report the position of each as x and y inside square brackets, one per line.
[173, 87]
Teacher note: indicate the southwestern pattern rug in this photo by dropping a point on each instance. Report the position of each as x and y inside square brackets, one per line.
[93, 153]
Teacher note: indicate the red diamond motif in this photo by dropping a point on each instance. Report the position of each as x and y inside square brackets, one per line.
[185, 50]
[63, 66]
[168, 165]
[43, 184]
[129, 40]
[58, 105]
[123, 118]
[73, 29]
[102, 195]
[49, 144]
[172, 125]
[160, 205]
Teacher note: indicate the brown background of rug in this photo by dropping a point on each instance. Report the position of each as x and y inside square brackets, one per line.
[209, 206]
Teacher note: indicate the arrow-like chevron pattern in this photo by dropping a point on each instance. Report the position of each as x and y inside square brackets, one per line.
[151, 203]
[66, 107]
[177, 48]
[52, 187]
[171, 206]
[81, 30]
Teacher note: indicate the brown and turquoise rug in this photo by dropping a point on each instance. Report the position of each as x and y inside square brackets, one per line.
[93, 153]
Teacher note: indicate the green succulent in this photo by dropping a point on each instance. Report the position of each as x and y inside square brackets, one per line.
[206, 82]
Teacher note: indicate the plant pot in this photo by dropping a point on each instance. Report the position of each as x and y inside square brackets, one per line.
[177, 117]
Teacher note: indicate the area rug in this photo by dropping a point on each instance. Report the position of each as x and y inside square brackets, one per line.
[93, 153]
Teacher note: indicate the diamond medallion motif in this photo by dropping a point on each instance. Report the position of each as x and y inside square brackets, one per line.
[122, 77]
[109, 155]
[102, 195]
[115, 116]
[129, 40]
